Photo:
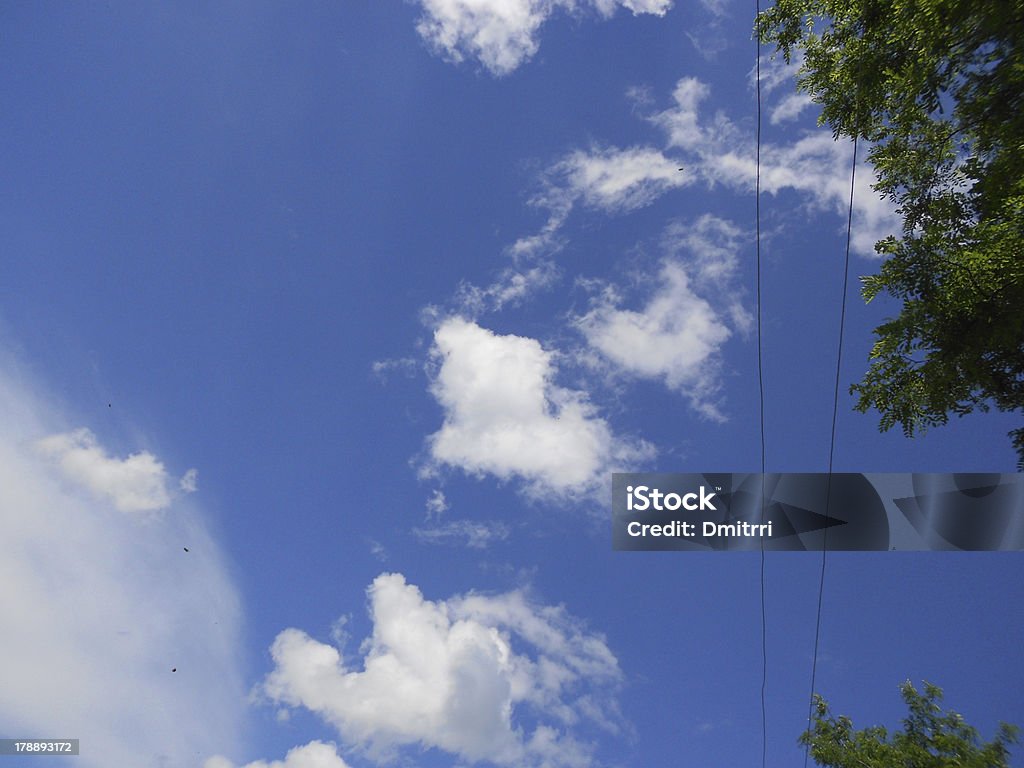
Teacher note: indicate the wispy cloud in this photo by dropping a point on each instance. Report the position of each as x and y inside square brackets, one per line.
[437, 505]
[402, 366]
[464, 675]
[502, 34]
[607, 179]
[189, 482]
[706, 34]
[790, 108]
[468, 533]
[711, 150]
[612, 180]
[716, 8]
[512, 286]
[104, 610]
[814, 166]
[776, 73]
[505, 416]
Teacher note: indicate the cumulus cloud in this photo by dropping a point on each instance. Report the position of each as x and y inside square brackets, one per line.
[502, 34]
[137, 483]
[672, 337]
[505, 416]
[469, 533]
[316, 754]
[101, 607]
[678, 334]
[493, 678]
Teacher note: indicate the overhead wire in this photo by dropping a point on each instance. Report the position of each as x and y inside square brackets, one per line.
[832, 445]
[760, 390]
[835, 411]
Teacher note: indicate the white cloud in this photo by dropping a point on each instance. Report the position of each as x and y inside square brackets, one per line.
[710, 248]
[135, 484]
[814, 165]
[316, 754]
[437, 505]
[608, 179]
[454, 675]
[790, 107]
[404, 366]
[710, 245]
[469, 533]
[775, 71]
[502, 34]
[99, 608]
[710, 151]
[715, 7]
[505, 416]
[377, 550]
[713, 151]
[707, 35]
[189, 481]
[681, 123]
[546, 242]
[616, 180]
[512, 286]
[708, 40]
[673, 337]
[678, 334]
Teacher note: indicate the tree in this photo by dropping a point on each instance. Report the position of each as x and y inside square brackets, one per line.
[936, 87]
[931, 738]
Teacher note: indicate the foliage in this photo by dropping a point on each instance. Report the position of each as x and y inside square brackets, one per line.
[931, 738]
[937, 88]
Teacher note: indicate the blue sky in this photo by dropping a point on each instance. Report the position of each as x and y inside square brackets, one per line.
[361, 303]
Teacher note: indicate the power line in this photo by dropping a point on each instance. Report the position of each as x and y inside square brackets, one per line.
[835, 412]
[832, 442]
[760, 390]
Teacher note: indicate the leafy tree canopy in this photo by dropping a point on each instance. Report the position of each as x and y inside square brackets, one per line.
[937, 88]
[931, 738]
